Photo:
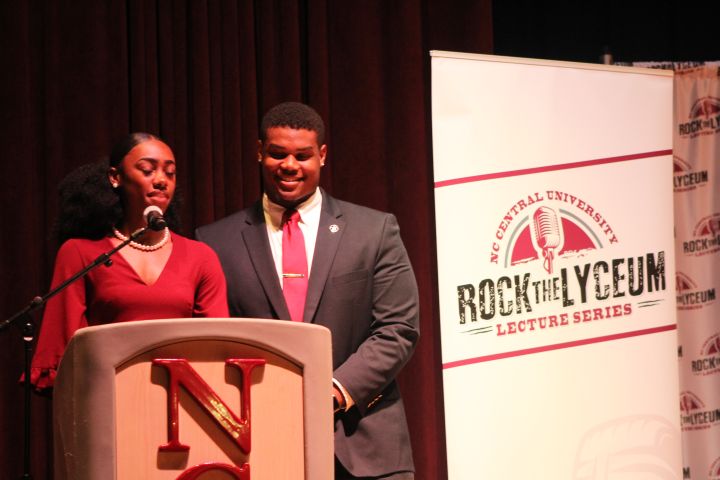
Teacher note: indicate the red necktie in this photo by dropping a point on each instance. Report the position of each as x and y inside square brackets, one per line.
[294, 265]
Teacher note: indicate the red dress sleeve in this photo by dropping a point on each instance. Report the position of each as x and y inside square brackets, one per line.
[64, 314]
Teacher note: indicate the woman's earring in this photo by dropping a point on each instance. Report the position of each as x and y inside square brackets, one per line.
[114, 185]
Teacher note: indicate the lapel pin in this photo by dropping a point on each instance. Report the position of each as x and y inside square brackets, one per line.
[334, 228]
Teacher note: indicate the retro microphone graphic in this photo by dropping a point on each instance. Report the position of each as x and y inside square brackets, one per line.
[547, 234]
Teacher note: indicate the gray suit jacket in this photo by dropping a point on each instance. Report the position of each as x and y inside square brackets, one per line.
[363, 289]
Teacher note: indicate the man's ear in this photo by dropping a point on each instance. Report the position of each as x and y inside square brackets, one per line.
[323, 154]
[259, 150]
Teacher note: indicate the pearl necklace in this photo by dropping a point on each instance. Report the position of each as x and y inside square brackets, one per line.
[140, 246]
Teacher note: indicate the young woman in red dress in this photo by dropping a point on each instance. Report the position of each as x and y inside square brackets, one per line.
[163, 275]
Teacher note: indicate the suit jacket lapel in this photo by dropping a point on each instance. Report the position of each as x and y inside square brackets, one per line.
[330, 231]
[256, 241]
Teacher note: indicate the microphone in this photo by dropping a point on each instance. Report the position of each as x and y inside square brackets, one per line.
[547, 234]
[154, 217]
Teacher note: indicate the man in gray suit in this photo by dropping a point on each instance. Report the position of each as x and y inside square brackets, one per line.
[359, 284]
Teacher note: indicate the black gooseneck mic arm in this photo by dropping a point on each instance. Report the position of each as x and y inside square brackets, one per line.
[37, 302]
[28, 334]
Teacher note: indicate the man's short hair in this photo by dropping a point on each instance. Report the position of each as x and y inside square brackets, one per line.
[294, 115]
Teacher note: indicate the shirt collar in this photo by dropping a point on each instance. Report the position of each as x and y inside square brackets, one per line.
[275, 212]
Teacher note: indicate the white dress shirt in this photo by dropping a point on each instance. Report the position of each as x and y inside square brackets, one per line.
[309, 222]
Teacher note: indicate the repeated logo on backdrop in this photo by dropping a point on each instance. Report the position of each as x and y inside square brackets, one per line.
[685, 177]
[703, 118]
[695, 415]
[705, 237]
[708, 359]
[691, 296]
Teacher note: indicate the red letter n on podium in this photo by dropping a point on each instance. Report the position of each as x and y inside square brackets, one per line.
[182, 374]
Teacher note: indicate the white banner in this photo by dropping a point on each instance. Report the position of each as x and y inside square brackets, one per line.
[555, 269]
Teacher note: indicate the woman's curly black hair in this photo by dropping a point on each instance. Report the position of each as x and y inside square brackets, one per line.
[89, 206]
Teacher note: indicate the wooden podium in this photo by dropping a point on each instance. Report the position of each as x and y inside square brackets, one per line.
[202, 399]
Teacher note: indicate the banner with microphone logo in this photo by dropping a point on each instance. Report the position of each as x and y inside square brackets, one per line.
[556, 268]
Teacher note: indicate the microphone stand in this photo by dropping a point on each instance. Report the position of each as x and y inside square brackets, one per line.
[28, 333]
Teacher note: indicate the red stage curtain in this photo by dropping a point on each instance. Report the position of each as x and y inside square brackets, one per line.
[78, 75]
